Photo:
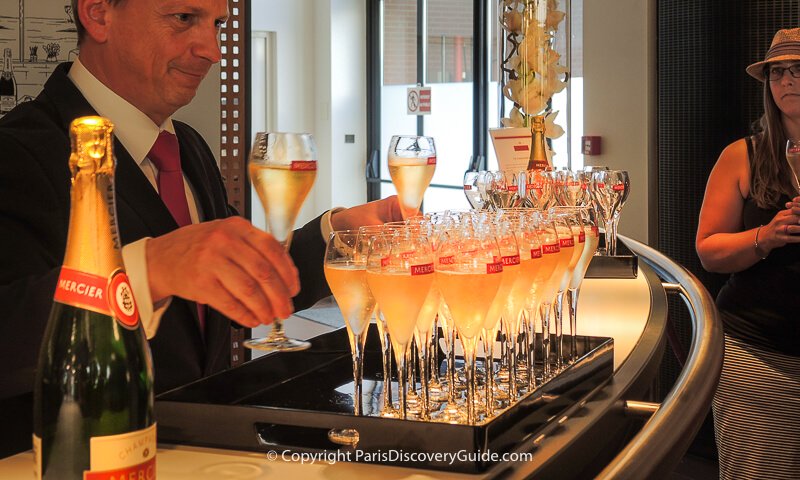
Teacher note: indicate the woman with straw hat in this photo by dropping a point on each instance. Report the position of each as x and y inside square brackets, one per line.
[750, 228]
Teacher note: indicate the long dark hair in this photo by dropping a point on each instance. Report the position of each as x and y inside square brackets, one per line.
[770, 178]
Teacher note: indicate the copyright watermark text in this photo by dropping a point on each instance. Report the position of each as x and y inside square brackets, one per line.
[331, 457]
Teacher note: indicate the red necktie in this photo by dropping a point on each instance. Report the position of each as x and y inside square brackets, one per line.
[165, 155]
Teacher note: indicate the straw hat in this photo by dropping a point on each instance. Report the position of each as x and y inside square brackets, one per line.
[785, 46]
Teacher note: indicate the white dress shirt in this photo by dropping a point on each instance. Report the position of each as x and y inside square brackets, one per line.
[137, 133]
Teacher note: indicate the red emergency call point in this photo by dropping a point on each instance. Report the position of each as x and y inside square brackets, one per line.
[591, 145]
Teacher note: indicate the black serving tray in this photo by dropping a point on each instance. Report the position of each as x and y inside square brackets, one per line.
[625, 264]
[289, 401]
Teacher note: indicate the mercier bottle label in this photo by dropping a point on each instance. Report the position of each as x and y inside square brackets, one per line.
[128, 456]
[112, 297]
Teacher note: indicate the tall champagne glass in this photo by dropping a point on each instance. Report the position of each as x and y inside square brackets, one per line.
[554, 262]
[369, 234]
[469, 282]
[346, 273]
[412, 162]
[574, 221]
[509, 254]
[400, 275]
[793, 158]
[282, 168]
[592, 238]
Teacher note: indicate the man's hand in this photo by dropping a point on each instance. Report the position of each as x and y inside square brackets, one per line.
[229, 265]
[372, 213]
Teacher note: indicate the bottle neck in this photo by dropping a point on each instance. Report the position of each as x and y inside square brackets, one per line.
[93, 244]
[538, 160]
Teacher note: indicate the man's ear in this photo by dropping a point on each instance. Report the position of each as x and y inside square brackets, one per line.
[95, 17]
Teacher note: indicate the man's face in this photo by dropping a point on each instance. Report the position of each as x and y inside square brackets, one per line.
[160, 50]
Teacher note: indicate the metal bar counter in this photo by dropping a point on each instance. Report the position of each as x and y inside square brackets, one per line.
[592, 435]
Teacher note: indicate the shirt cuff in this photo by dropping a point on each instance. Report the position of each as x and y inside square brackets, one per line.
[135, 259]
[325, 224]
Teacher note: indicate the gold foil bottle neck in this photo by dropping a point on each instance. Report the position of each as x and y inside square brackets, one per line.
[538, 159]
[92, 145]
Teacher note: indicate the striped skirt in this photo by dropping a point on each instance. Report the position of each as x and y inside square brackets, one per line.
[757, 413]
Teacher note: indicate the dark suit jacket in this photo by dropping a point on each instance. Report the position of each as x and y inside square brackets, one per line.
[34, 217]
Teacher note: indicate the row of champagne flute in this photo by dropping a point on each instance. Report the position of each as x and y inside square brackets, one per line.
[473, 271]
[598, 187]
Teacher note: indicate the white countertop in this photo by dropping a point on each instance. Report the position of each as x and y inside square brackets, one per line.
[612, 308]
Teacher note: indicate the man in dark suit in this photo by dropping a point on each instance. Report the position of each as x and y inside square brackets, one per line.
[140, 61]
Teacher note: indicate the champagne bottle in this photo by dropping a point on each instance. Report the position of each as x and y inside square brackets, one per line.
[8, 84]
[93, 396]
[538, 159]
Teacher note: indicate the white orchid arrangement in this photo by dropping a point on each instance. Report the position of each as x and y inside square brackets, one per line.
[531, 65]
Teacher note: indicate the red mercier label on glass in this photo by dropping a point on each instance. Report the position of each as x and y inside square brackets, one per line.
[595, 230]
[618, 187]
[432, 160]
[467, 187]
[422, 269]
[303, 165]
[536, 252]
[384, 261]
[566, 242]
[511, 260]
[582, 237]
[496, 267]
[112, 297]
[552, 248]
[448, 260]
[512, 188]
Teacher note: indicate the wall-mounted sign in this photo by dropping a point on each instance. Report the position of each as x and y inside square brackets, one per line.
[418, 100]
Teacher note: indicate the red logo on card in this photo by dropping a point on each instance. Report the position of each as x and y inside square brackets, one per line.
[422, 269]
[520, 148]
[303, 165]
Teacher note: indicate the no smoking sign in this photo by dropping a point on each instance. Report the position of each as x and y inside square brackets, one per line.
[418, 101]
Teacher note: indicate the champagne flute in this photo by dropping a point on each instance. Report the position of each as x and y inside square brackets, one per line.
[574, 221]
[592, 238]
[793, 159]
[412, 162]
[369, 234]
[610, 189]
[469, 282]
[400, 275]
[346, 272]
[282, 167]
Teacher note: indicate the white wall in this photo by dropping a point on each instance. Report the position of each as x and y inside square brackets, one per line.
[619, 96]
[321, 67]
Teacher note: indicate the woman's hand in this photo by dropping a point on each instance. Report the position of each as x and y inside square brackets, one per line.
[784, 228]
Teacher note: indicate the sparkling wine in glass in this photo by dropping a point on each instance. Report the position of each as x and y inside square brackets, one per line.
[282, 168]
[400, 275]
[412, 162]
[346, 273]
